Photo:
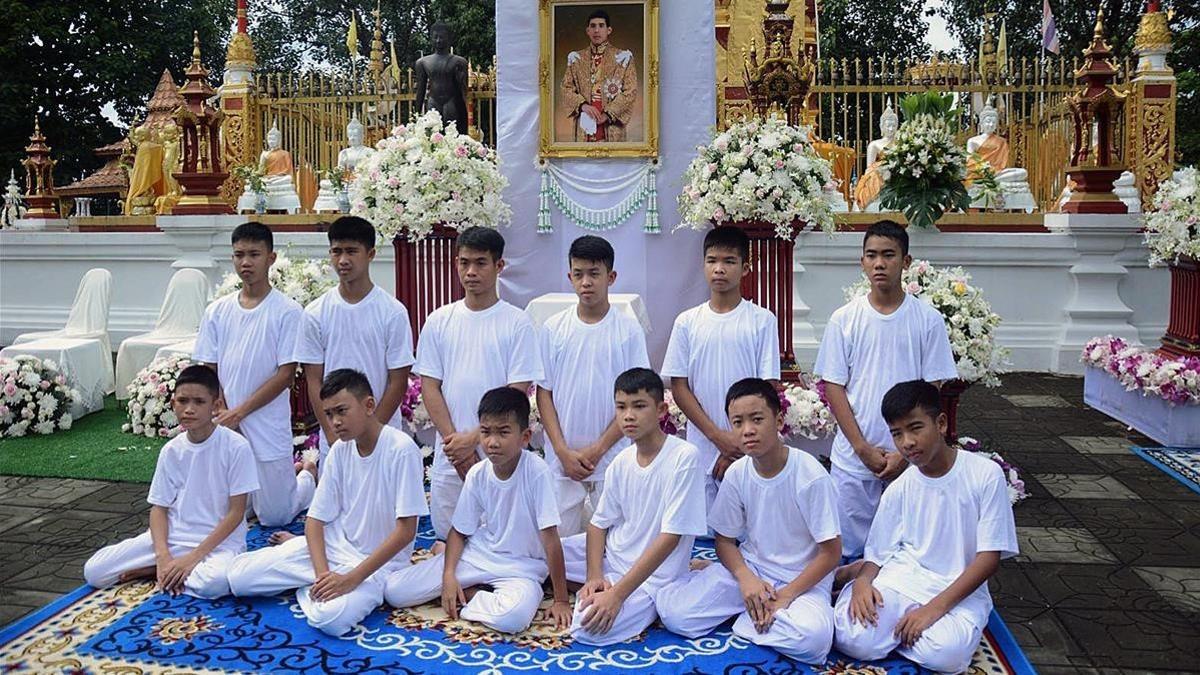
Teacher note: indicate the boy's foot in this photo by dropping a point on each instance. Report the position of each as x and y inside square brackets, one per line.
[438, 547]
[138, 573]
[280, 537]
[698, 564]
[845, 574]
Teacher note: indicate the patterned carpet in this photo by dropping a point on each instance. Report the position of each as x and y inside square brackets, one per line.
[1182, 464]
[131, 629]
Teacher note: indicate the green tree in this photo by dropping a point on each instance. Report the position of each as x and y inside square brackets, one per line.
[858, 28]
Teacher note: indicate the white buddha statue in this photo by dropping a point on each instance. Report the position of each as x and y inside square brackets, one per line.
[993, 149]
[13, 208]
[1125, 188]
[866, 190]
[347, 163]
[275, 164]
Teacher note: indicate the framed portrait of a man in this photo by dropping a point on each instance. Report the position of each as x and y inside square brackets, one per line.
[599, 78]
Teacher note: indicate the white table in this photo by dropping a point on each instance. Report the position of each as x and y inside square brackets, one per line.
[541, 308]
[183, 348]
[82, 362]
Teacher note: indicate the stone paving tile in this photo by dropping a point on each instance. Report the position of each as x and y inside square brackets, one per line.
[115, 498]
[1103, 513]
[1142, 546]
[1132, 639]
[16, 603]
[1037, 401]
[1090, 586]
[1036, 462]
[27, 491]
[1045, 513]
[1156, 485]
[1180, 586]
[12, 516]
[1044, 638]
[81, 529]
[1099, 445]
[1084, 486]
[1061, 544]
[42, 567]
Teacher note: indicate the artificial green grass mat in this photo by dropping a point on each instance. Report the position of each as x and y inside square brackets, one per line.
[94, 447]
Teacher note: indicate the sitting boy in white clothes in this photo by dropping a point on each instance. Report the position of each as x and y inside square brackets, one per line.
[504, 535]
[198, 502]
[640, 538]
[779, 502]
[362, 521]
[940, 533]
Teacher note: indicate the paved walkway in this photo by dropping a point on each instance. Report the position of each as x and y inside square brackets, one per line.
[1108, 579]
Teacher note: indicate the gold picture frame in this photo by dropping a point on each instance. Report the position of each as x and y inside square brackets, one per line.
[564, 42]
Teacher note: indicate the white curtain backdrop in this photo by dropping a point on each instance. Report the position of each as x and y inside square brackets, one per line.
[665, 269]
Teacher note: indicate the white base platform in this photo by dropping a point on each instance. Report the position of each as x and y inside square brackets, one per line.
[1175, 426]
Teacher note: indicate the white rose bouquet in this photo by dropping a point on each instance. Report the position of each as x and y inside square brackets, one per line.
[1173, 219]
[924, 167]
[149, 407]
[758, 171]
[301, 279]
[424, 174]
[806, 413]
[34, 398]
[969, 318]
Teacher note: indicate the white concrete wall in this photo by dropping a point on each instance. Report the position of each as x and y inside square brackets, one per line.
[1033, 281]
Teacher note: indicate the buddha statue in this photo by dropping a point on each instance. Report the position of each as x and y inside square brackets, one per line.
[146, 182]
[169, 136]
[991, 148]
[330, 200]
[275, 165]
[866, 190]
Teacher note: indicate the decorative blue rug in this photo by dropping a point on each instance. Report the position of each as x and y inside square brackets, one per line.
[1182, 464]
[131, 629]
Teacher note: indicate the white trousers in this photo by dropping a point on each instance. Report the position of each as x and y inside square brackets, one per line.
[637, 612]
[858, 499]
[207, 580]
[282, 493]
[509, 607]
[702, 600]
[272, 570]
[946, 647]
[444, 489]
[577, 501]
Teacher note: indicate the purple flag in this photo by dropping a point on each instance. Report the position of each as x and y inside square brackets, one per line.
[1049, 33]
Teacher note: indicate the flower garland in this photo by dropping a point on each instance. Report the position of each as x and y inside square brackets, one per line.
[1172, 220]
[35, 397]
[149, 408]
[301, 279]
[970, 321]
[424, 174]
[1175, 380]
[758, 171]
[644, 192]
[1012, 477]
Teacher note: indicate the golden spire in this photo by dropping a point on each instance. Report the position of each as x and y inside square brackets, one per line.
[195, 48]
[241, 50]
[1098, 31]
[1153, 32]
[376, 65]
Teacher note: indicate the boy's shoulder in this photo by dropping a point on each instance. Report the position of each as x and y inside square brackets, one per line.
[442, 314]
[804, 466]
[398, 441]
[851, 307]
[680, 450]
[284, 303]
[320, 302]
[979, 467]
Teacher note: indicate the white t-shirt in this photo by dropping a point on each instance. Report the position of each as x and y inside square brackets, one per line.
[639, 503]
[781, 519]
[359, 498]
[194, 482]
[472, 353]
[715, 350]
[249, 346]
[582, 362]
[503, 519]
[868, 353]
[927, 530]
[371, 336]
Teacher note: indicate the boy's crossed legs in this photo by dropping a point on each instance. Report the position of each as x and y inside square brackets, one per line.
[637, 612]
[509, 607]
[134, 558]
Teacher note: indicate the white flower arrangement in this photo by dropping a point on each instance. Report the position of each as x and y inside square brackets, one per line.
[1175, 380]
[149, 408]
[923, 171]
[425, 174]
[1172, 220]
[805, 413]
[34, 398]
[301, 279]
[970, 321]
[758, 171]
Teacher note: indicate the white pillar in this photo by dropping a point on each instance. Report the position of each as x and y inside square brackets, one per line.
[201, 241]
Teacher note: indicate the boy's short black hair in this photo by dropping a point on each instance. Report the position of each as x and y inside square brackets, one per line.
[889, 229]
[504, 401]
[479, 238]
[346, 379]
[754, 386]
[600, 14]
[353, 228]
[253, 232]
[728, 236]
[906, 397]
[202, 375]
[592, 249]
[640, 379]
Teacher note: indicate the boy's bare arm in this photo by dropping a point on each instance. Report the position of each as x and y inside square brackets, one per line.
[235, 514]
[686, 399]
[872, 457]
[393, 393]
[314, 535]
[453, 596]
[314, 374]
[647, 563]
[575, 466]
[829, 554]
[435, 405]
[159, 530]
[401, 535]
[560, 611]
[273, 387]
[174, 572]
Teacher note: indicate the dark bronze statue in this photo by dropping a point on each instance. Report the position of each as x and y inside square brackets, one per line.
[445, 75]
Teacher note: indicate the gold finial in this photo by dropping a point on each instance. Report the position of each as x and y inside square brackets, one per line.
[37, 127]
[196, 46]
[1098, 32]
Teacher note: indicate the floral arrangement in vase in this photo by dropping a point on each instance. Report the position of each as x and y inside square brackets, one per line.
[301, 279]
[925, 167]
[34, 398]
[149, 408]
[1175, 380]
[806, 412]
[1172, 220]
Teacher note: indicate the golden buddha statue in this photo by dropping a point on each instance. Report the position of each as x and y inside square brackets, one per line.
[146, 176]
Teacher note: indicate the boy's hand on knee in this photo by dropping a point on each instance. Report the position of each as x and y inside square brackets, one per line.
[757, 594]
[560, 613]
[593, 586]
[600, 611]
[452, 595]
[332, 585]
[865, 600]
[914, 622]
[171, 577]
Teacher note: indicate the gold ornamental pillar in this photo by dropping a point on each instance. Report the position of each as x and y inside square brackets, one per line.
[1151, 114]
[240, 133]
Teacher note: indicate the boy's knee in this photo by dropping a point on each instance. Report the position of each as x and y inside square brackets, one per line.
[93, 574]
[239, 574]
[675, 616]
[208, 583]
[944, 653]
[861, 642]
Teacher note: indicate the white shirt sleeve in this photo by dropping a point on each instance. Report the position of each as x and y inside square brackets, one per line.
[545, 499]
[468, 512]
[164, 487]
[684, 513]
[410, 485]
[833, 361]
[937, 357]
[545, 341]
[884, 537]
[728, 514]
[289, 331]
[429, 350]
[208, 338]
[768, 338]
[310, 346]
[608, 512]
[675, 363]
[243, 469]
[326, 503]
[818, 504]
[997, 530]
[636, 354]
[525, 361]
[399, 340]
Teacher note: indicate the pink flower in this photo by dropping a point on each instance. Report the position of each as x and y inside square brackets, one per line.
[913, 287]
[779, 164]
[44, 385]
[10, 389]
[153, 377]
[436, 175]
[161, 389]
[164, 433]
[436, 137]
[3, 410]
[399, 209]
[393, 182]
[718, 214]
[455, 196]
[461, 151]
[481, 151]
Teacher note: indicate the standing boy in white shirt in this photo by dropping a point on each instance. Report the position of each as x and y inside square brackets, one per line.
[504, 534]
[197, 502]
[943, 527]
[362, 521]
[249, 338]
[356, 325]
[872, 342]
[584, 349]
[716, 344]
[467, 348]
[779, 502]
[640, 538]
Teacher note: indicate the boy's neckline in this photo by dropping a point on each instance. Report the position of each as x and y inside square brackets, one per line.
[492, 302]
[188, 435]
[949, 470]
[377, 432]
[659, 439]
[341, 292]
[787, 455]
[593, 322]
[734, 308]
[875, 308]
